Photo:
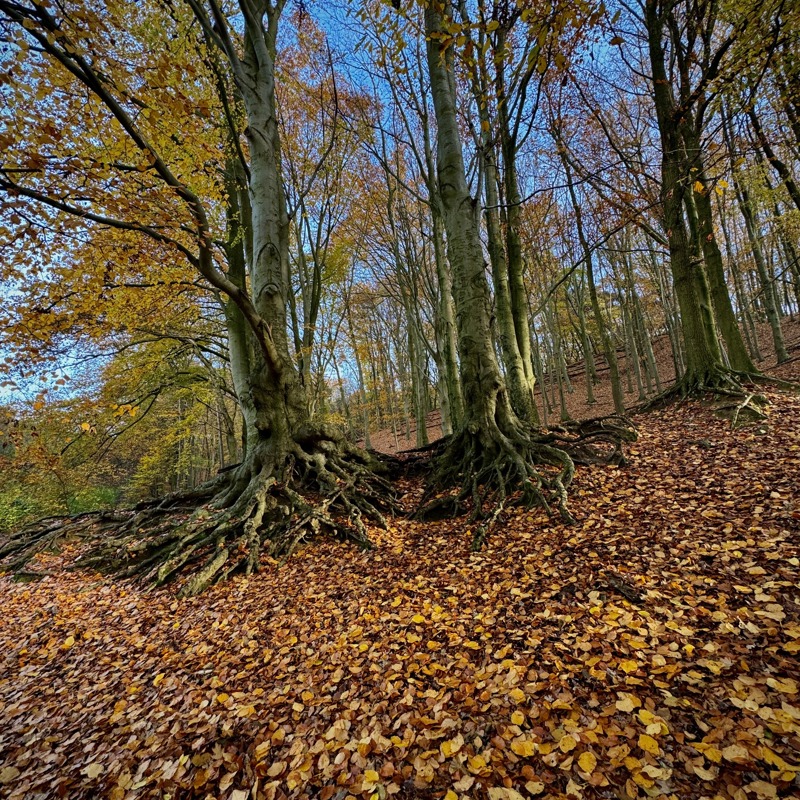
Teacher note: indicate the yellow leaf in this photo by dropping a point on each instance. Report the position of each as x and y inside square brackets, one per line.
[628, 702]
[472, 645]
[649, 744]
[629, 665]
[642, 780]
[222, 697]
[776, 761]
[85, 426]
[452, 746]
[418, 618]
[567, 743]
[517, 718]
[785, 685]
[517, 695]
[698, 187]
[396, 602]
[372, 776]
[587, 762]
[476, 763]
[451, 795]
[158, 678]
[68, 642]
[523, 747]
[713, 754]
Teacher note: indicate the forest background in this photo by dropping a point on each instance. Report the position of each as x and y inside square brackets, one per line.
[244, 243]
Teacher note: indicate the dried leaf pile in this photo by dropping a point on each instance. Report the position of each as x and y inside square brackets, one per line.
[649, 651]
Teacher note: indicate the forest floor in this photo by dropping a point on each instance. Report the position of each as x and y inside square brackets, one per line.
[651, 650]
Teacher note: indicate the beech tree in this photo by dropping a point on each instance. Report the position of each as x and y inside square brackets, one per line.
[690, 49]
[494, 453]
[287, 454]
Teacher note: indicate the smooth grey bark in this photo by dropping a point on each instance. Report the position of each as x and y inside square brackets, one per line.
[520, 388]
[518, 384]
[485, 397]
[446, 329]
[449, 389]
[240, 346]
[508, 131]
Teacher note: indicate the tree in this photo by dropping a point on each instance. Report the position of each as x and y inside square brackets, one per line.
[494, 453]
[287, 454]
[689, 53]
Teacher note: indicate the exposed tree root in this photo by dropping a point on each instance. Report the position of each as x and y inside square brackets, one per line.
[490, 465]
[720, 383]
[319, 484]
[46, 535]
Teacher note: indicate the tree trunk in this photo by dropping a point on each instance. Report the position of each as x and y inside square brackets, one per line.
[704, 364]
[723, 310]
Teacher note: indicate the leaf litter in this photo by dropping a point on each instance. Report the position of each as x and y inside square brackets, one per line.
[651, 650]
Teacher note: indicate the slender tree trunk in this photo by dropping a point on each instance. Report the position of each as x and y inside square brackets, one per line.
[485, 396]
[609, 351]
[742, 300]
[765, 278]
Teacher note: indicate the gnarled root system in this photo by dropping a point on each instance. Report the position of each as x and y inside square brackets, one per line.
[321, 485]
[487, 465]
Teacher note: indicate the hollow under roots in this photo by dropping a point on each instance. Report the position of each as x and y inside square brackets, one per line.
[489, 466]
[319, 486]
